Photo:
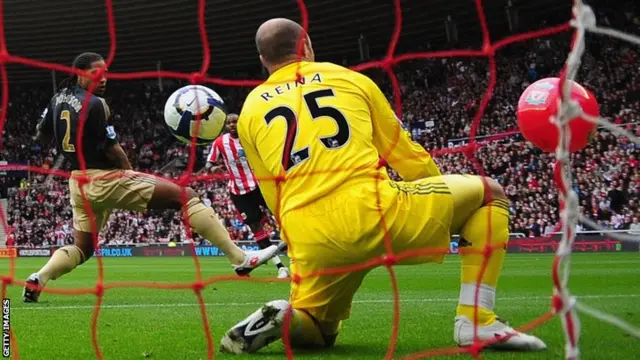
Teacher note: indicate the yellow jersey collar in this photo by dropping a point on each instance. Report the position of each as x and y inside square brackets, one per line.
[287, 69]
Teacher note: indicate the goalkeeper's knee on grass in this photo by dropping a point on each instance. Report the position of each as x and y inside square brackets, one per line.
[309, 333]
[266, 325]
[489, 225]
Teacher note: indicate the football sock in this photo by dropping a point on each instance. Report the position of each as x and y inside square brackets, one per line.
[306, 332]
[490, 221]
[204, 221]
[262, 239]
[62, 262]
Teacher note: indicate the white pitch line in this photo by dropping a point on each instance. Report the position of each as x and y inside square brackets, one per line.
[381, 301]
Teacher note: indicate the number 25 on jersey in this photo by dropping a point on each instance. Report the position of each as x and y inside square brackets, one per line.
[291, 158]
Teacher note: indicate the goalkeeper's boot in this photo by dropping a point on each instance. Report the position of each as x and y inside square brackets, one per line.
[500, 335]
[258, 330]
[253, 259]
[31, 294]
[283, 273]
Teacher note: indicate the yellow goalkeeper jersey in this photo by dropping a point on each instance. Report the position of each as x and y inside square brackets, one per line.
[317, 127]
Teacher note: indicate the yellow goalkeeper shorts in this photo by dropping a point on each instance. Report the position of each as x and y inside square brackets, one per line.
[345, 229]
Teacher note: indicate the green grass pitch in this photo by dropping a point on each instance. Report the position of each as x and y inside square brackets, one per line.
[165, 324]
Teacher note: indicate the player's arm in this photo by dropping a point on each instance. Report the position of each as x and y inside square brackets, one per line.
[211, 165]
[208, 167]
[44, 129]
[116, 154]
[214, 157]
[106, 135]
[267, 187]
[408, 158]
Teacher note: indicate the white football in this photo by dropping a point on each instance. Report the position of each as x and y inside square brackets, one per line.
[189, 104]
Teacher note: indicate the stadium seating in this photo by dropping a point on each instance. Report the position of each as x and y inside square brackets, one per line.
[439, 100]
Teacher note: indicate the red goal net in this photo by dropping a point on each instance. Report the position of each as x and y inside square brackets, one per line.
[564, 305]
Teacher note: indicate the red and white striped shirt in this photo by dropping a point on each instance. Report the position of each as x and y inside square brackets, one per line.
[242, 180]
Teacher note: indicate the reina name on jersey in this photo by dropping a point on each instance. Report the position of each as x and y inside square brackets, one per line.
[281, 89]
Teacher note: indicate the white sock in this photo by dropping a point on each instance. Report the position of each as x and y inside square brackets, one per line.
[486, 296]
[276, 260]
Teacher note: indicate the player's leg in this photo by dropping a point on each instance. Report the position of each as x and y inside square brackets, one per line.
[266, 326]
[320, 237]
[318, 305]
[481, 218]
[264, 242]
[248, 206]
[68, 257]
[203, 220]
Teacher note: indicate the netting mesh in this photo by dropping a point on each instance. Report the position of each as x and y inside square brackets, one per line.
[563, 305]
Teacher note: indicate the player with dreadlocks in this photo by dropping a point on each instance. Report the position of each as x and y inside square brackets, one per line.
[109, 181]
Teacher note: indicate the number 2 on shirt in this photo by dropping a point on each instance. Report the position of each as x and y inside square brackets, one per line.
[66, 140]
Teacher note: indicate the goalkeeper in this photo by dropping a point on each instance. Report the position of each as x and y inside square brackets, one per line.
[320, 130]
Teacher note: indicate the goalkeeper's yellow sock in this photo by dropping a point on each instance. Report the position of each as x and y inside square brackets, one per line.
[62, 262]
[306, 332]
[489, 222]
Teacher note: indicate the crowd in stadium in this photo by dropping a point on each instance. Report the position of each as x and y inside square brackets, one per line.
[440, 98]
